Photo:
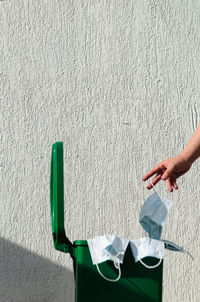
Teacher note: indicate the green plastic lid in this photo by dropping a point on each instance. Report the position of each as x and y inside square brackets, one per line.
[61, 242]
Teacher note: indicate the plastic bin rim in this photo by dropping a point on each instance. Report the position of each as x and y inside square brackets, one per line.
[82, 243]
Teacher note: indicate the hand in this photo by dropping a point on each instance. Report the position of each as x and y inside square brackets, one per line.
[169, 170]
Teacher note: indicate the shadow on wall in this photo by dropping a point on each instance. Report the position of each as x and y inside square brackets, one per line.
[27, 277]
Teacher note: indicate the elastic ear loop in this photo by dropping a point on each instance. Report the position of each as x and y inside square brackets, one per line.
[154, 187]
[150, 267]
[117, 265]
[188, 253]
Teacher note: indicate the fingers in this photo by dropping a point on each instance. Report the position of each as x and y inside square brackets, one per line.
[175, 184]
[155, 180]
[164, 172]
[168, 173]
[169, 184]
[158, 168]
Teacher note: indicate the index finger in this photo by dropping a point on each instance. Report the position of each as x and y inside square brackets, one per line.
[158, 168]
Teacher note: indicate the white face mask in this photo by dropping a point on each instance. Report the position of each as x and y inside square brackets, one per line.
[108, 247]
[147, 247]
[153, 214]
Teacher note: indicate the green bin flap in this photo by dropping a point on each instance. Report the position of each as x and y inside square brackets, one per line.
[61, 242]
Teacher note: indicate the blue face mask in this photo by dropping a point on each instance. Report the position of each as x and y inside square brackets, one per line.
[153, 214]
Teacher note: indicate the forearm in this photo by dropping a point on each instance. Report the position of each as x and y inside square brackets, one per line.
[192, 150]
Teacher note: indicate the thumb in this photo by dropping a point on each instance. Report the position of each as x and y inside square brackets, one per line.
[167, 173]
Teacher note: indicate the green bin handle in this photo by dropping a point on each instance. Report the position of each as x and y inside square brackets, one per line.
[61, 242]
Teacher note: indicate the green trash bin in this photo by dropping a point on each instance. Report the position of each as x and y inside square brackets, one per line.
[137, 283]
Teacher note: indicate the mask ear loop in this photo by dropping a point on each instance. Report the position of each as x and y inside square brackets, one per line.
[188, 253]
[117, 265]
[151, 267]
[154, 187]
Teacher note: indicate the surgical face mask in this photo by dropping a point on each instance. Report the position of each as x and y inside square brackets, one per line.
[153, 214]
[147, 247]
[107, 247]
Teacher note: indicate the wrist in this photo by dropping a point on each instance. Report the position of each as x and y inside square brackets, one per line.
[187, 157]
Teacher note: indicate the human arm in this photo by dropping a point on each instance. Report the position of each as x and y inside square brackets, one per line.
[170, 169]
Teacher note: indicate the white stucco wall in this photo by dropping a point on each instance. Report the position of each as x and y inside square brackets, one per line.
[119, 83]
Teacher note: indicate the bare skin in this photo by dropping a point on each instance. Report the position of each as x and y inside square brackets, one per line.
[172, 168]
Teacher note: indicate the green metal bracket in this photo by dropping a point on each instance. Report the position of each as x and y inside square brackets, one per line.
[61, 242]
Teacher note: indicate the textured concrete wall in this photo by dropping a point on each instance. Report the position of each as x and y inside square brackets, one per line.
[119, 83]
